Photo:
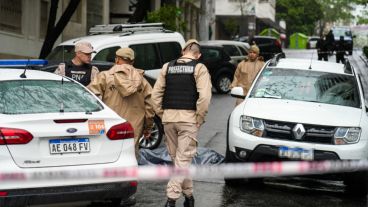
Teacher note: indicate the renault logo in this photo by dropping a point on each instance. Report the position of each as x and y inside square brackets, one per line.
[298, 131]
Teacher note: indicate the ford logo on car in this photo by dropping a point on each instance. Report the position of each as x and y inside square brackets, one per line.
[71, 130]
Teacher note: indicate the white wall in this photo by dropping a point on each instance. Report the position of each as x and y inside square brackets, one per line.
[266, 9]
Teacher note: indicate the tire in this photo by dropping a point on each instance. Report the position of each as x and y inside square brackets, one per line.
[156, 136]
[222, 83]
[356, 183]
[350, 52]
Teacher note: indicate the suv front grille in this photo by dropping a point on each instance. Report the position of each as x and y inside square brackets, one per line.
[313, 133]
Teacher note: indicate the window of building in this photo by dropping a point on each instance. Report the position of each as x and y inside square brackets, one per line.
[77, 16]
[45, 8]
[94, 13]
[11, 16]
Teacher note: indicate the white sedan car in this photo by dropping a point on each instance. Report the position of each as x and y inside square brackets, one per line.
[300, 109]
[51, 124]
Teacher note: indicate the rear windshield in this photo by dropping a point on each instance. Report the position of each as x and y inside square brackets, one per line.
[311, 86]
[45, 96]
[62, 53]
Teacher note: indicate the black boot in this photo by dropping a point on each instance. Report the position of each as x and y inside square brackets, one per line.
[170, 203]
[189, 201]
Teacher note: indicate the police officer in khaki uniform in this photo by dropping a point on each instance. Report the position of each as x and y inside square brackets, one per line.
[124, 89]
[247, 70]
[181, 96]
[79, 68]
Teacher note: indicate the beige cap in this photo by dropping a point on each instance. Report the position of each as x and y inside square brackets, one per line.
[190, 42]
[84, 47]
[254, 49]
[125, 53]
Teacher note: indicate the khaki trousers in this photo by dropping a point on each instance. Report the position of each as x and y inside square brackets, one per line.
[181, 142]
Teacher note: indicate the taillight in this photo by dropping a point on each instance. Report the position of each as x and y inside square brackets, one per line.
[121, 131]
[14, 136]
[3, 193]
[278, 43]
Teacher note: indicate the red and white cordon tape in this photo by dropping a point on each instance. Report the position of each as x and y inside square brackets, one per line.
[163, 172]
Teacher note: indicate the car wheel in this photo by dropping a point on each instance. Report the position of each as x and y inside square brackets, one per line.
[222, 83]
[156, 136]
[356, 183]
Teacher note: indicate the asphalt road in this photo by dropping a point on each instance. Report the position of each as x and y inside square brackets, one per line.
[292, 191]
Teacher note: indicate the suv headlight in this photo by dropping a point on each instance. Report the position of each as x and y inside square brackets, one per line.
[344, 135]
[251, 125]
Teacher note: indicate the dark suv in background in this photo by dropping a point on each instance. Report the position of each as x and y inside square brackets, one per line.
[219, 66]
[348, 37]
[268, 46]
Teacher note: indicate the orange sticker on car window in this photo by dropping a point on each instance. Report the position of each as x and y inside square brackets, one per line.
[96, 126]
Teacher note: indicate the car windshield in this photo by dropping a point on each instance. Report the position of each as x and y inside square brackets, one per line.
[45, 96]
[311, 86]
[61, 53]
[341, 32]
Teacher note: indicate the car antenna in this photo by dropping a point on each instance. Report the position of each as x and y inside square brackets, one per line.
[310, 65]
[23, 75]
[62, 92]
[62, 86]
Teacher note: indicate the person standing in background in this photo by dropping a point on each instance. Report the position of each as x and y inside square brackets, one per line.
[247, 70]
[79, 68]
[124, 89]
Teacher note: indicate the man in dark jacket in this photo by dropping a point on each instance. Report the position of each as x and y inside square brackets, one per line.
[340, 50]
[322, 49]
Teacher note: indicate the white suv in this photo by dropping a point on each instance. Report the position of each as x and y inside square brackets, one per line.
[153, 46]
[298, 109]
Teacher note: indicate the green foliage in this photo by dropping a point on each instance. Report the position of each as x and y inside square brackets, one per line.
[169, 15]
[299, 15]
[336, 10]
[231, 27]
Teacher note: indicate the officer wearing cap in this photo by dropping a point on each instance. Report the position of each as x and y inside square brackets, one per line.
[79, 68]
[247, 70]
[181, 97]
[124, 89]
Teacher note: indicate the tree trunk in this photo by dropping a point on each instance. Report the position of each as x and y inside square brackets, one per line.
[53, 32]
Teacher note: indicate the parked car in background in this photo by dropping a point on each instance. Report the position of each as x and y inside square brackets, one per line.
[219, 66]
[268, 46]
[151, 42]
[312, 42]
[51, 125]
[235, 49]
[348, 37]
[321, 115]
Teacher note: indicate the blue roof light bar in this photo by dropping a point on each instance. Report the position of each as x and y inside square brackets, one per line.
[23, 62]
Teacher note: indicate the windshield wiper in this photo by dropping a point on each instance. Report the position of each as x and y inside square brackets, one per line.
[269, 96]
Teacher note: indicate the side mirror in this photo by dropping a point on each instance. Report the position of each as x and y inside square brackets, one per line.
[237, 92]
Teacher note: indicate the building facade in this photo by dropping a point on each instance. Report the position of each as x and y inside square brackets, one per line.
[244, 17]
